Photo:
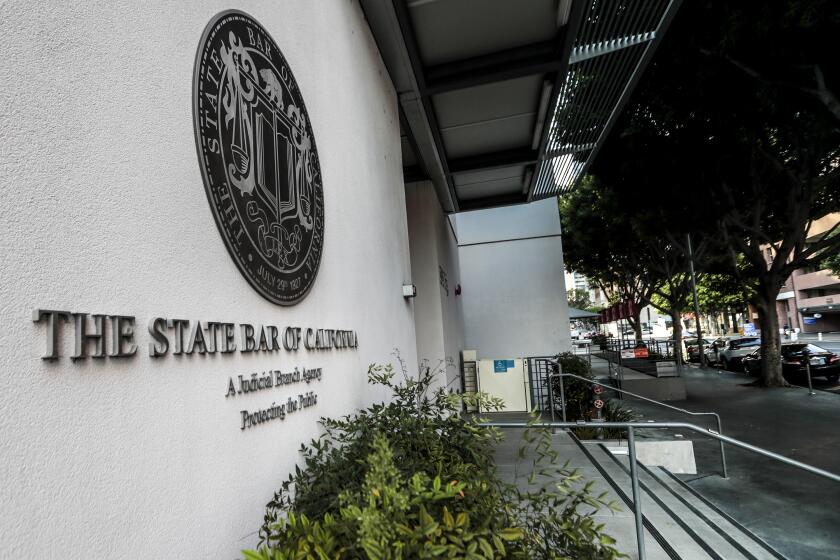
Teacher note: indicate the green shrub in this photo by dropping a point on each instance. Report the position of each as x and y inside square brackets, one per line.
[392, 517]
[578, 393]
[579, 399]
[600, 340]
[412, 478]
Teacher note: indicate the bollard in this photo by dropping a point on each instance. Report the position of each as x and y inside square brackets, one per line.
[819, 336]
[808, 371]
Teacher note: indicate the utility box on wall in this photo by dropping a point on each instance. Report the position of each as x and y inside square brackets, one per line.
[506, 380]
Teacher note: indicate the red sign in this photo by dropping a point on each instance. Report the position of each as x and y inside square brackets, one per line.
[640, 352]
[597, 389]
[622, 310]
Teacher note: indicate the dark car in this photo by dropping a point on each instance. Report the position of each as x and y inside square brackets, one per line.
[823, 363]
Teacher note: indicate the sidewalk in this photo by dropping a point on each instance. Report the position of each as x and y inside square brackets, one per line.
[833, 336]
[829, 341]
[796, 512]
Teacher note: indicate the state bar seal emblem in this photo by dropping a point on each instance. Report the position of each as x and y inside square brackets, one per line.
[258, 158]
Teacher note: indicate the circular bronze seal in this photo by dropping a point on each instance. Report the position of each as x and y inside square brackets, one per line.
[258, 158]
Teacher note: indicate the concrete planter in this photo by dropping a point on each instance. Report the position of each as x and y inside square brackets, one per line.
[675, 455]
[666, 369]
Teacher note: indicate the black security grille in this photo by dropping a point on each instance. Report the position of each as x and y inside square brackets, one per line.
[539, 370]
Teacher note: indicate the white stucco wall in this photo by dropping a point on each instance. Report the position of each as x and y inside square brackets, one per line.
[514, 295]
[104, 211]
[439, 322]
[451, 303]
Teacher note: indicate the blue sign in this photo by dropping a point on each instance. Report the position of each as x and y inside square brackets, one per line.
[749, 329]
[500, 366]
[809, 320]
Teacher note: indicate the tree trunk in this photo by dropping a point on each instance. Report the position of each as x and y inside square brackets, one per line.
[700, 345]
[771, 357]
[676, 324]
[636, 323]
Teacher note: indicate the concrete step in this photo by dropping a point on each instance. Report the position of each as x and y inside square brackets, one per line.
[683, 525]
[679, 523]
[514, 468]
[706, 509]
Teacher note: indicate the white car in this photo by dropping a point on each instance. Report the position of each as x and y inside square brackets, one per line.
[731, 356]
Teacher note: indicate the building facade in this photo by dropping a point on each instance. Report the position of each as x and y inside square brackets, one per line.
[576, 280]
[218, 216]
[154, 392]
[810, 298]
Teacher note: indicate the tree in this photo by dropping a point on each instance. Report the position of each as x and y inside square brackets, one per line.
[596, 243]
[791, 172]
[633, 248]
[579, 299]
[656, 218]
[718, 120]
[722, 293]
[832, 261]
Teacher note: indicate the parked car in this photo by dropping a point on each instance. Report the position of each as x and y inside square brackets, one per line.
[736, 348]
[693, 349]
[823, 363]
[717, 345]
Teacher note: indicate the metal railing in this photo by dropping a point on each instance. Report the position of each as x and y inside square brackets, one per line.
[665, 349]
[560, 376]
[583, 348]
[631, 446]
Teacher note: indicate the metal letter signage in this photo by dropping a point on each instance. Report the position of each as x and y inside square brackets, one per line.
[258, 157]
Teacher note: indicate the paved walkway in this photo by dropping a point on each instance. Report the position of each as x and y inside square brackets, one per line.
[795, 511]
[513, 468]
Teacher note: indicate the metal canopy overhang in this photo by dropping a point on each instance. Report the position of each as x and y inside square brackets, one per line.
[504, 102]
[575, 313]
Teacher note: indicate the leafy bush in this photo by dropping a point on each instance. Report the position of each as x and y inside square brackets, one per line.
[579, 398]
[414, 479]
[578, 393]
[600, 340]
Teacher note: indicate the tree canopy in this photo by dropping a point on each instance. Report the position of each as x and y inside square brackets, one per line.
[579, 299]
[732, 136]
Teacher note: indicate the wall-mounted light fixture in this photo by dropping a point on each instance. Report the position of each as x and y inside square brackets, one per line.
[409, 290]
[457, 289]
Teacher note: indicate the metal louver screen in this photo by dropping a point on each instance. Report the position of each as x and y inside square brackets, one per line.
[615, 41]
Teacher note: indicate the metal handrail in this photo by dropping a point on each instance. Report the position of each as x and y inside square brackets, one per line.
[593, 382]
[631, 444]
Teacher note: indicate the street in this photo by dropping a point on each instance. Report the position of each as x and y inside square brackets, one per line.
[830, 342]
